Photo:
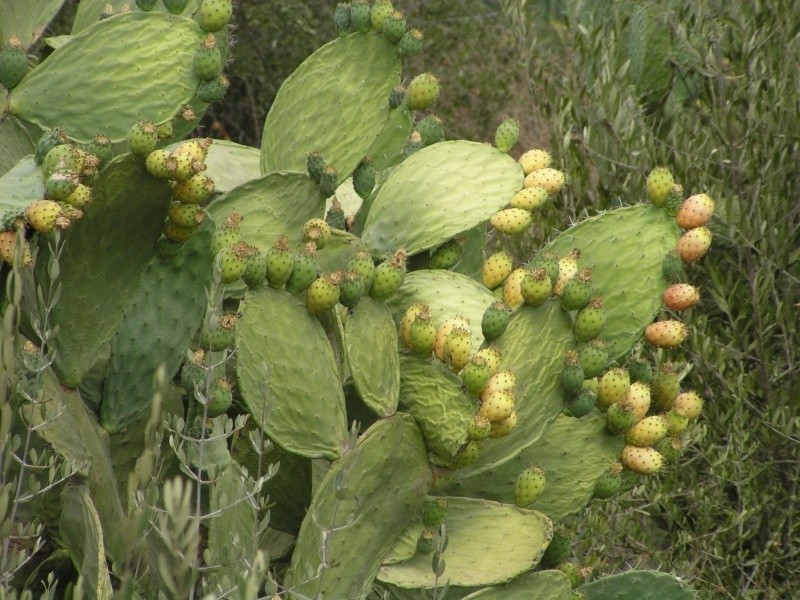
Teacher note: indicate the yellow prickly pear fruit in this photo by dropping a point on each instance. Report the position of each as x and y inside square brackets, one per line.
[530, 198]
[492, 357]
[408, 318]
[511, 221]
[535, 159]
[457, 348]
[500, 381]
[444, 330]
[8, 242]
[512, 292]
[567, 269]
[503, 428]
[550, 179]
[498, 406]
[639, 398]
[644, 461]
[496, 268]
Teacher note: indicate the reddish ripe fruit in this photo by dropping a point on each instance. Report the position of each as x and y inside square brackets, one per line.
[666, 334]
[680, 296]
[695, 211]
[694, 244]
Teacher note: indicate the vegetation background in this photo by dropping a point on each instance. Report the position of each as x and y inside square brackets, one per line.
[708, 88]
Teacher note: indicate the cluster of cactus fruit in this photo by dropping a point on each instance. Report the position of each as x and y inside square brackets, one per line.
[320, 280]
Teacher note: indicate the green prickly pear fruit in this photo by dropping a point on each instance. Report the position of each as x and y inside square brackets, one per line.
[431, 129]
[226, 234]
[335, 215]
[280, 263]
[590, 320]
[361, 262]
[577, 291]
[193, 371]
[351, 289]
[222, 336]
[328, 181]
[425, 542]
[639, 397]
[495, 320]
[64, 157]
[175, 6]
[475, 375]
[680, 296]
[664, 388]
[672, 267]
[220, 397]
[411, 43]
[534, 160]
[13, 63]
[573, 572]
[496, 269]
[413, 144]
[457, 348]
[530, 198]
[536, 287]
[305, 270]
[581, 404]
[666, 334]
[165, 130]
[695, 211]
[49, 140]
[497, 407]
[389, 275]
[323, 294]
[146, 5]
[659, 183]
[213, 90]
[156, 164]
[318, 231]
[80, 196]
[100, 146]
[511, 221]
[572, 375]
[593, 357]
[467, 456]
[142, 138]
[44, 216]
[591, 384]
[175, 233]
[213, 15]
[361, 16]
[434, 512]
[397, 96]
[445, 256]
[195, 190]
[512, 287]
[620, 417]
[612, 387]
[60, 185]
[491, 356]
[694, 244]
[547, 261]
[647, 432]
[186, 215]
[364, 178]
[408, 319]
[315, 165]
[676, 422]
[394, 26]
[182, 166]
[557, 551]
[609, 483]
[479, 428]
[640, 370]
[422, 334]
[380, 10]
[670, 448]
[232, 262]
[255, 270]
[529, 486]
[422, 92]
[507, 135]
[551, 180]
[689, 404]
[504, 427]
[8, 243]
[341, 18]
[207, 59]
[502, 381]
[641, 460]
[567, 269]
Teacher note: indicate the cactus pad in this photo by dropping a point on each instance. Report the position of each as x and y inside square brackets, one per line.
[231, 164]
[15, 143]
[551, 584]
[27, 20]
[638, 585]
[19, 187]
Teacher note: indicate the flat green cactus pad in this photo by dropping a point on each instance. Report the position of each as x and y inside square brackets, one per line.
[514, 537]
[386, 150]
[230, 165]
[20, 186]
[624, 248]
[270, 206]
[437, 193]
[638, 585]
[381, 483]
[552, 585]
[349, 79]
[371, 349]
[26, 20]
[288, 375]
[15, 144]
[139, 64]
[89, 11]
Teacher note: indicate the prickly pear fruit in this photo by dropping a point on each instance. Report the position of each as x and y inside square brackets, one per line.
[361, 262]
[496, 269]
[175, 233]
[567, 269]
[467, 456]
[582, 403]
[389, 275]
[609, 483]
[504, 427]
[571, 377]
[479, 428]
[495, 320]
[100, 146]
[648, 431]
[213, 15]
[547, 261]
[457, 348]
[536, 287]
[335, 216]
[445, 256]
[207, 59]
[304, 270]
[676, 422]
[422, 92]
[364, 178]
[322, 294]
[214, 89]
[612, 387]
[315, 165]
[589, 321]
[593, 357]
[422, 334]
[557, 551]
[425, 542]
[380, 10]
[60, 185]
[492, 356]
[639, 397]
[183, 166]
[550, 179]
[51, 138]
[186, 215]
[695, 211]
[591, 384]
[574, 573]
[411, 43]
[351, 289]
[232, 262]
[497, 407]
[666, 334]
[533, 160]
[222, 336]
[195, 190]
[680, 296]
[408, 319]
[226, 234]
[328, 181]
[360, 16]
[577, 291]
[397, 96]
[511, 221]
[670, 448]
[64, 157]
[394, 26]
[694, 244]
[644, 461]
[220, 397]
[175, 6]
[659, 183]
[506, 135]
[156, 164]
[529, 486]
[689, 404]
[512, 287]
[142, 138]
[672, 267]
[255, 270]
[318, 231]
[664, 388]
[530, 198]
[434, 512]
[13, 63]
[280, 263]
[431, 130]
[8, 242]
[475, 374]
[44, 216]
[501, 381]
[620, 417]
[341, 18]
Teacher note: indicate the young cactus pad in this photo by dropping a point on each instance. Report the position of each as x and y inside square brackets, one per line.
[638, 585]
[551, 584]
